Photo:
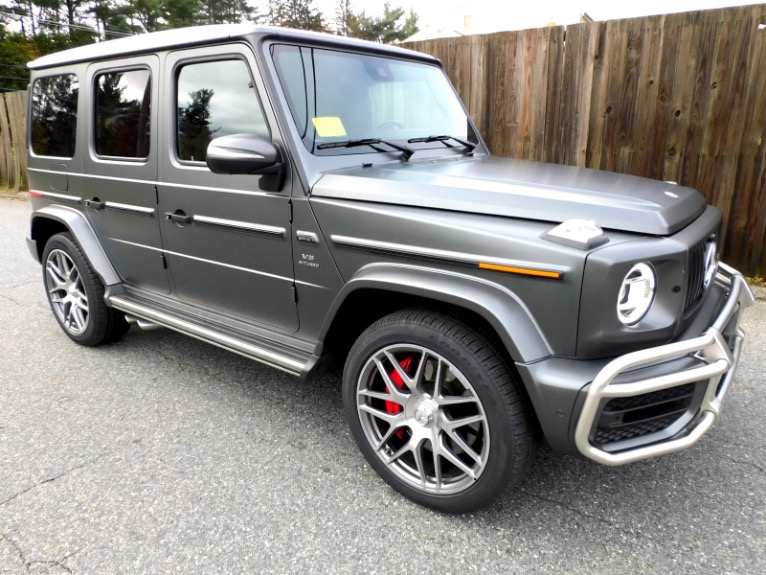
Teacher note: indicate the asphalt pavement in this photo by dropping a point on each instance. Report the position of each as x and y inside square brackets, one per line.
[162, 454]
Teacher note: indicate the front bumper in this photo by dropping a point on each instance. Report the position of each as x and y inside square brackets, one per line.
[715, 353]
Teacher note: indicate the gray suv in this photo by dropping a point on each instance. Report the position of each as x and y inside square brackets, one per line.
[301, 199]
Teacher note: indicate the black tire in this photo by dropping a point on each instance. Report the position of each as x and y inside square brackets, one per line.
[414, 446]
[76, 294]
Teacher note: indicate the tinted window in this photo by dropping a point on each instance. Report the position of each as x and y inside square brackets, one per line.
[123, 106]
[54, 115]
[215, 99]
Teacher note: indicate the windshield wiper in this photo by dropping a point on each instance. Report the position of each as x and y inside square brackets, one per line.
[372, 142]
[469, 147]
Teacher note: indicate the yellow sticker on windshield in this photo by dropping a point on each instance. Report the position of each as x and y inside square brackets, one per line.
[329, 127]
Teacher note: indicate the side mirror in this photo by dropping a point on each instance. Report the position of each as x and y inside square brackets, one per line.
[247, 154]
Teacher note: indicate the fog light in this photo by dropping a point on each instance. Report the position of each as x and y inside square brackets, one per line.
[636, 294]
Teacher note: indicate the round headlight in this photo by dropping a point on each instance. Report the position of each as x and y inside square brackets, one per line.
[636, 294]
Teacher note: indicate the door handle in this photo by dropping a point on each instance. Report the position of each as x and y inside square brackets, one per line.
[96, 204]
[178, 217]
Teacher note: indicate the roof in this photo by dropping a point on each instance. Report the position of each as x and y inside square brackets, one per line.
[217, 33]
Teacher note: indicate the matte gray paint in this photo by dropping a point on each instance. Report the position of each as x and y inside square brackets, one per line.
[521, 189]
[129, 226]
[77, 224]
[500, 307]
[553, 303]
[600, 333]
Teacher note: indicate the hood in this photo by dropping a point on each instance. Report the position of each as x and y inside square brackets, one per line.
[521, 189]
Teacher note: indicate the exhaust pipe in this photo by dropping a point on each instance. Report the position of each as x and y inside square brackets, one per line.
[145, 325]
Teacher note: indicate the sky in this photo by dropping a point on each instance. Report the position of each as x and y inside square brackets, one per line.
[431, 11]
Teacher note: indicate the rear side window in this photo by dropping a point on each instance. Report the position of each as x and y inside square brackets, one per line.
[54, 115]
[123, 111]
[215, 99]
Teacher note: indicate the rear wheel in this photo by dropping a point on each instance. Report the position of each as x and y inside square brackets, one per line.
[436, 411]
[76, 294]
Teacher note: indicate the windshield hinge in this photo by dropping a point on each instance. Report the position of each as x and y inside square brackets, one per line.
[295, 293]
[156, 196]
[290, 207]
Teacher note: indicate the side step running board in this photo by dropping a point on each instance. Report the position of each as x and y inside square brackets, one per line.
[229, 343]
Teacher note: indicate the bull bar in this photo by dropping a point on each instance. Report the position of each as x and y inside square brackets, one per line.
[719, 357]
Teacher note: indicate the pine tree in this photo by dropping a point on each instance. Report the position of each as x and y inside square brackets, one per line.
[299, 14]
[391, 27]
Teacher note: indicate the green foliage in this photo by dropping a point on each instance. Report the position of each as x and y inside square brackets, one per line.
[45, 26]
[15, 52]
[299, 14]
[228, 11]
[87, 20]
[389, 28]
[194, 125]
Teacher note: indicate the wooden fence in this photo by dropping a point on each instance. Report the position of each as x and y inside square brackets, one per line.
[13, 153]
[680, 97]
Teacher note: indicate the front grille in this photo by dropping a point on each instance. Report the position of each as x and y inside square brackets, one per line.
[696, 284]
[625, 418]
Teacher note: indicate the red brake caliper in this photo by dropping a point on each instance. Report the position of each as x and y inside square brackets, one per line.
[391, 406]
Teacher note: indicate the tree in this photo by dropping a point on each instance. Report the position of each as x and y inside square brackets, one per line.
[393, 26]
[52, 25]
[149, 14]
[113, 20]
[74, 15]
[343, 15]
[227, 11]
[15, 52]
[299, 14]
[194, 133]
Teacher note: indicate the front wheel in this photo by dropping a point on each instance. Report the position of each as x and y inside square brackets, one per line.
[436, 411]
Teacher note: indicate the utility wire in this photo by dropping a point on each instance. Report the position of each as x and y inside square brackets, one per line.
[20, 18]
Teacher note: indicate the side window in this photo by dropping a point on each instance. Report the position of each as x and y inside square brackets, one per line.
[123, 107]
[294, 66]
[215, 99]
[54, 115]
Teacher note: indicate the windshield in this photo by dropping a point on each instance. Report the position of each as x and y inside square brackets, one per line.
[340, 97]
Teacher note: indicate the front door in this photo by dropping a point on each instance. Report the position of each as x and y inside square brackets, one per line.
[227, 241]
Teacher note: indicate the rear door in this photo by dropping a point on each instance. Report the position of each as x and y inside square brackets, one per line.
[228, 247]
[120, 168]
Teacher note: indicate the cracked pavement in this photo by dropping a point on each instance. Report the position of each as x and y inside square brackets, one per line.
[161, 454]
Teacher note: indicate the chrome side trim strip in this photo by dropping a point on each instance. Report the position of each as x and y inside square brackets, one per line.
[442, 255]
[720, 359]
[63, 197]
[201, 168]
[130, 208]
[212, 189]
[238, 226]
[229, 343]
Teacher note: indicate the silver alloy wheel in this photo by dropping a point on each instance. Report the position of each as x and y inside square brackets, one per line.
[423, 419]
[67, 294]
